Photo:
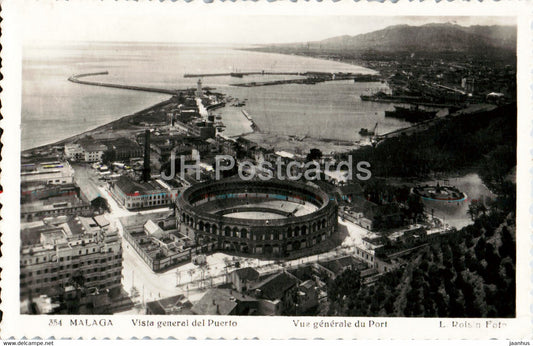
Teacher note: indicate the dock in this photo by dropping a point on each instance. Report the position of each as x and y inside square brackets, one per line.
[424, 125]
[253, 125]
[240, 74]
[76, 79]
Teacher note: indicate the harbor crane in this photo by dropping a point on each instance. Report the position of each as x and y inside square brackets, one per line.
[366, 132]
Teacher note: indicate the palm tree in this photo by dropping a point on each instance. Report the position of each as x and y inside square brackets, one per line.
[191, 273]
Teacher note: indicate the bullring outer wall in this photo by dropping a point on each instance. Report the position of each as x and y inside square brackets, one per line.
[273, 238]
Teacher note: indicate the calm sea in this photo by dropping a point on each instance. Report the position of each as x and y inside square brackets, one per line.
[53, 108]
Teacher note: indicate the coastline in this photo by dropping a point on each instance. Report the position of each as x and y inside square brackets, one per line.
[358, 63]
[106, 126]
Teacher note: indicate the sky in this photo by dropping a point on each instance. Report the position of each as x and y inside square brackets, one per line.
[83, 21]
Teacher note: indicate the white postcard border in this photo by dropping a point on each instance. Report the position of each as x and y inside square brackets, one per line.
[19, 326]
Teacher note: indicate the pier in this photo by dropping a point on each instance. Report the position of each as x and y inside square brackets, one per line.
[240, 74]
[253, 125]
[309, 77]
[76, 79]
[424, 125]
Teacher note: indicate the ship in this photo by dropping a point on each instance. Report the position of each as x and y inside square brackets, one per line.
[412, 114]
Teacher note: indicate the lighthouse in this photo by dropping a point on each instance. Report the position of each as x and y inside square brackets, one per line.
[199, 92]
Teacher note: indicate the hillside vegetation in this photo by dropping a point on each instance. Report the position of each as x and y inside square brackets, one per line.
[470, 273]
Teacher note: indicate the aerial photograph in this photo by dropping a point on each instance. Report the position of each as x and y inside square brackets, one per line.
[237, 166]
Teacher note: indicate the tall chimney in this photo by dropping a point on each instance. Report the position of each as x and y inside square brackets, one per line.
[146, 166]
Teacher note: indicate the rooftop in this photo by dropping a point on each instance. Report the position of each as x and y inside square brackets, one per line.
[121, 144]
[93, 147]
[32, 235]
[275, 286]
[46, 166]
[219, 302]
[129, 186]
[52, 203]
[247, 274]
[171, 305]
[338, 265]
[50, 233]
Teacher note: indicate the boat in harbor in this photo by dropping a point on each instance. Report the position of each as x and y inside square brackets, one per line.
[412, 114]
[367, 132]
[239, 104]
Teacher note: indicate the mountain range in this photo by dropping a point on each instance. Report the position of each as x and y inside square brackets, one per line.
[429, 37]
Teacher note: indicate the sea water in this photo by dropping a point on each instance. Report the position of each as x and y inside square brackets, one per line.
[54, 108]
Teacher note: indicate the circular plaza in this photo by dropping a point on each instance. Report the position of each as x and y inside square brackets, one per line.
[261, 218]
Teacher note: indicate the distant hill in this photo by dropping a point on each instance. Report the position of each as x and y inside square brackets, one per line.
[429, 38]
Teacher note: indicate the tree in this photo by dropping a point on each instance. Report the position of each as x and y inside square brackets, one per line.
[345, 286]
[415, 206]
[507, 249]
[476, 208]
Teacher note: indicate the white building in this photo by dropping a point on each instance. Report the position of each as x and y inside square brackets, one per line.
[51, 255]
[93, 152]
[87, 152]
[54, 172]
[74, 151]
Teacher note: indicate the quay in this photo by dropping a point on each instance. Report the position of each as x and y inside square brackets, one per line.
[413, 100]
[239, 74]
[253, 125]
[76, 79]
[424, 125]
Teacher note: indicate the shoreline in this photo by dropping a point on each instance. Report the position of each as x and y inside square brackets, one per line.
[348, 62]
[96, 129]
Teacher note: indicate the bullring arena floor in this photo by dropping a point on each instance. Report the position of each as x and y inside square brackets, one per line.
[278, 210]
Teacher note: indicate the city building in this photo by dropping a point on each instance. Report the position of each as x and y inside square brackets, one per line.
[85, 250]
[242, 278]
[157, 240]
[223, 302]
[133, 194]
[74, 151]
[123, 148]
[197, 128]
[335, 267]
[93, 152]
[61, 201]
[175, 305]
[50, 172]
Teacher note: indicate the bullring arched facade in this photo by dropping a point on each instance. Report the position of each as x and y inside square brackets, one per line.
[201, 209]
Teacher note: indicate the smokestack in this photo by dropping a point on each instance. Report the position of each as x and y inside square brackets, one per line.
[146, 166]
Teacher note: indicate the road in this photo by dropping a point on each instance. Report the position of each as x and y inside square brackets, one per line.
[190, 279]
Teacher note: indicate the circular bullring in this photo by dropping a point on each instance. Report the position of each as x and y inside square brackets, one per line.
[261, 218]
